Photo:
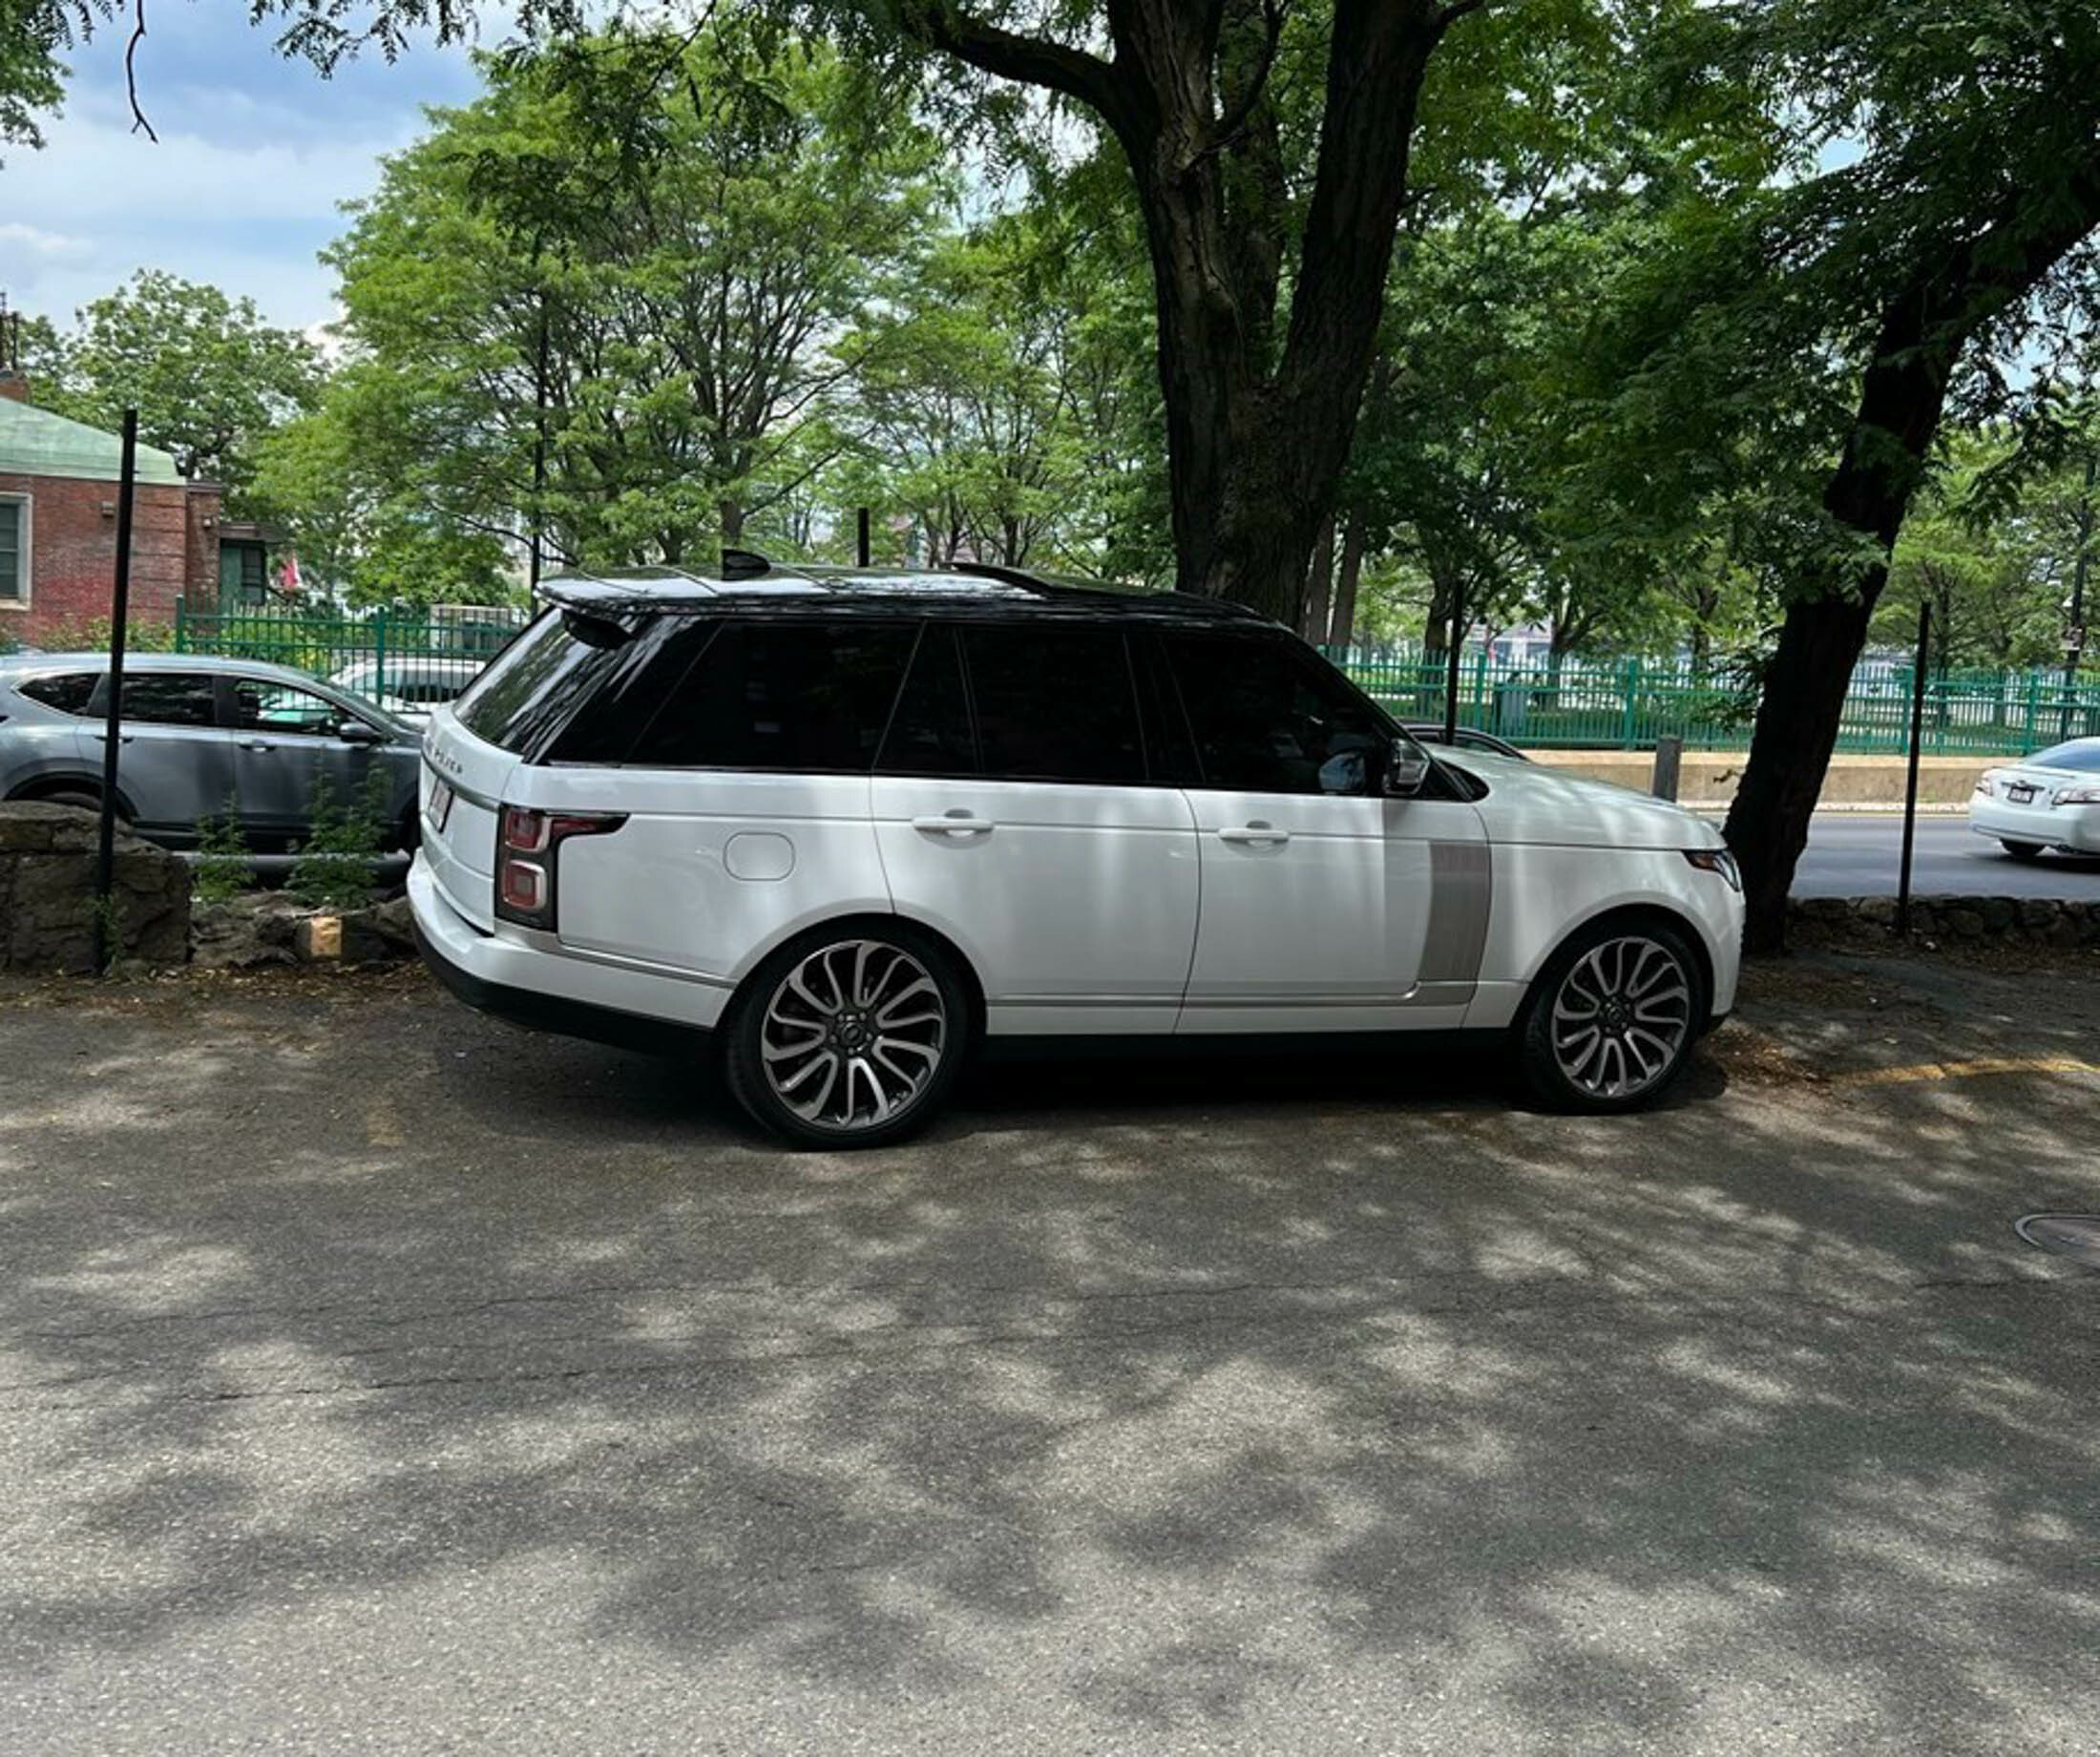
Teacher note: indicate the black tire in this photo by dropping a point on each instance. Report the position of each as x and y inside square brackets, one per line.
[2028, 852]
[814, 1010]
[1646, 984]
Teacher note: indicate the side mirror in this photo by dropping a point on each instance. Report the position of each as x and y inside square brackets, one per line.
[353, 731]
[1406, 770]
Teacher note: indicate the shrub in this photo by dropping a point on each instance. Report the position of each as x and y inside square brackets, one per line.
[221, 869]
[336, 862]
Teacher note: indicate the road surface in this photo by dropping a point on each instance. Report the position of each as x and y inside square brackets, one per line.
[376, 1379]
[1855, 855]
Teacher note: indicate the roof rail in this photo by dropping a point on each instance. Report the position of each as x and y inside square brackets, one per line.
[743, 564]
[992, 569]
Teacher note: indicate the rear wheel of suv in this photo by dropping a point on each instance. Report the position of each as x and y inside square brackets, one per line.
[1613, 1018]
[849, 1036]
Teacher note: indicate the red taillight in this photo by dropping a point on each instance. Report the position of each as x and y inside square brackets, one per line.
[526, 842]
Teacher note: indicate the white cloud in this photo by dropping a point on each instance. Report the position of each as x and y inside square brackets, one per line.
[37, 242]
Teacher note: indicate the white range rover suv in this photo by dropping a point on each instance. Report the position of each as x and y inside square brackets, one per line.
[852, 824]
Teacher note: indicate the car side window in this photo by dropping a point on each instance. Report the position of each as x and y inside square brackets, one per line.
[1053, 702]
[1266, 719]
[800, 695]
[930, 733]
[261, 706]
[69, 692]
[171, 699]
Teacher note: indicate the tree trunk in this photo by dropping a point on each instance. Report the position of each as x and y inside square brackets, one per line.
[1924, 327]
[1255, 450]
[1319, 585]
[1342, 629]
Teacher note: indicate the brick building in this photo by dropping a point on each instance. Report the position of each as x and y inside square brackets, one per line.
[59, 527]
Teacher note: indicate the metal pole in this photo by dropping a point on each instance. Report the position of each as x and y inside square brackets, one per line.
[2074, 636]
[862, 548]
[105, 858]
[1451, 679]
[539, 445]
[1910, 786]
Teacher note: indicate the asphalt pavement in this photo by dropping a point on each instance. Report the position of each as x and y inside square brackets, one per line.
[375, 1377]
[1858, 854]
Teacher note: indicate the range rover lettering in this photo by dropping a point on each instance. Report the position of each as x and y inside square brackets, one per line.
[847, 826]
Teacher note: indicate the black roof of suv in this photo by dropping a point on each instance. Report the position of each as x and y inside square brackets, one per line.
[748, 582]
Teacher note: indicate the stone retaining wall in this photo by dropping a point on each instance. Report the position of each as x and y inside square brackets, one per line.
[47, 892]
[2035, 921]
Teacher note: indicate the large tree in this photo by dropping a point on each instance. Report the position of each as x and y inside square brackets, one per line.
[595, 306]
[208, 376]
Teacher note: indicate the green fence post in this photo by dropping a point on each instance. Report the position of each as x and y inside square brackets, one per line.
[1627, 725]
[379, 654]
[1479, 690]
[181, 621]
[2034, 704]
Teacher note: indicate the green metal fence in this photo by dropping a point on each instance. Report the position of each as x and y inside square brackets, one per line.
[1629, 703]
[402, 657]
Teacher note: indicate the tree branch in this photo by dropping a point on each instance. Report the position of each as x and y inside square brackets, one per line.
[1009, 56]
[1450, 14]
[1234, 119]
[131, 72]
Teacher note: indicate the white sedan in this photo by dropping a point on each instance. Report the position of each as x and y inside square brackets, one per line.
[2050, 800]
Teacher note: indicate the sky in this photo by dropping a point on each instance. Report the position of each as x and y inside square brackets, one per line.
[255, 153]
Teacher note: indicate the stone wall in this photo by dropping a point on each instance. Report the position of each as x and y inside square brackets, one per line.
[47, 891]
[2034, 921]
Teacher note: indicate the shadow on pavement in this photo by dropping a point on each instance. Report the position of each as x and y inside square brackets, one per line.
[1266, 1403]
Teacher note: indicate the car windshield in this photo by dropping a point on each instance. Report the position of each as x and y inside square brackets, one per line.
[2079, 753]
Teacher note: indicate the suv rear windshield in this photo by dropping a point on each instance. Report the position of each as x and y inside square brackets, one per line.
[536, 683]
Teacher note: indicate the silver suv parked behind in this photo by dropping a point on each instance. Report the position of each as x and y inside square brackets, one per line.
[197, 732]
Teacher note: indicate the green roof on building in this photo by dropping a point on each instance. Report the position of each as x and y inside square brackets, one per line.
[34, 442]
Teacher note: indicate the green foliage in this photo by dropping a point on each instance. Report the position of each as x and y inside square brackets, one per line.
[92, 635]
[336, 862]
[221, 870]
[208, 376]
[30, 73]
[659, 235]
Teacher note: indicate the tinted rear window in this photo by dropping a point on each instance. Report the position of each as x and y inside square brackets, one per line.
[69, 692]
[2081, 753]
[533, 687]
[1053, 702]
[808, 696]
[172, 699]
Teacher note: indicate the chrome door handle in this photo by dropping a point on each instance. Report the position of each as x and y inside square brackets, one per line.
[1255, 833]
[257, 744]
[955, 823]
[122, 738]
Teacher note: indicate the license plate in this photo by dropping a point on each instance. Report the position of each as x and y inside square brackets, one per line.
[441, 804]
[2019, 793]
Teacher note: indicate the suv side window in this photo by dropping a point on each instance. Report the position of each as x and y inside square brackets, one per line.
[1268, 720]
[809, 697]
[69, 692]
[172, 699]
[264, 705]
[1053, 702]
[930, 734]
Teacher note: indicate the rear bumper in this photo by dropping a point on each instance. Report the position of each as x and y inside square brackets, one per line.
[2062, 826]
[540, 989]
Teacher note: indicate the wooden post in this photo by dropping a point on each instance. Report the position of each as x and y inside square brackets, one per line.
[105, 857]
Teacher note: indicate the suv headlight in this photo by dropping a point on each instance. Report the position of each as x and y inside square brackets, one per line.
[1717, 860]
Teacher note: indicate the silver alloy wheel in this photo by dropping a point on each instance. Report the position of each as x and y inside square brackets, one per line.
[852, 1035]
[1620, 1016]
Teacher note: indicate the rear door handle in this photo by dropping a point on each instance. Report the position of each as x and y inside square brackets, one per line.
[122, 738]
[1256, 834]
[257, 744]
[955, 823]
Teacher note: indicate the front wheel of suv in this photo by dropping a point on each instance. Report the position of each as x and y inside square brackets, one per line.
[1614, 1017]
[849, 1036]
